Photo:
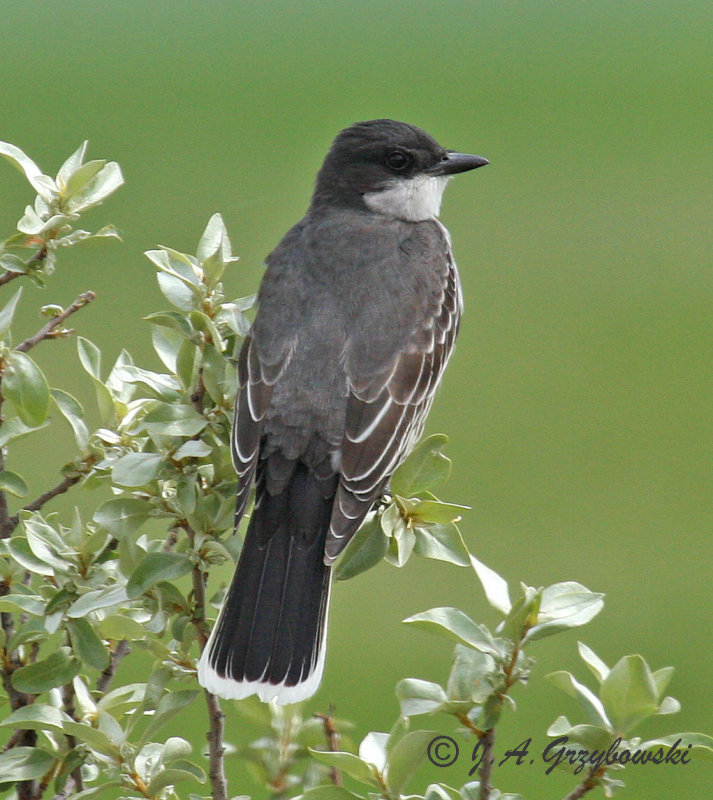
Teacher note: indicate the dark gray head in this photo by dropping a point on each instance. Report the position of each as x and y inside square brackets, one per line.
[390, 168]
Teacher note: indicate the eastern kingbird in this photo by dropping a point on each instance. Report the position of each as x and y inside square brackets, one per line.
[357, 314]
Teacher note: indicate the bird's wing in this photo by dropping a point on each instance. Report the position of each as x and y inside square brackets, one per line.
[386, 412]
[256, 379]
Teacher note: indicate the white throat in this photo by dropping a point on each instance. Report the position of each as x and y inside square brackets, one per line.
[411, 199]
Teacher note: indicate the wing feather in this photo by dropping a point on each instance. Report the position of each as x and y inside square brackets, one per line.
[385, 416]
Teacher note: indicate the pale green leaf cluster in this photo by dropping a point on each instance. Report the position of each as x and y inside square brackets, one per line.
[413, 520]
[49, 223]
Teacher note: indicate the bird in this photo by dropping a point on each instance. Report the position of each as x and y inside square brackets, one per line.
[357, 314]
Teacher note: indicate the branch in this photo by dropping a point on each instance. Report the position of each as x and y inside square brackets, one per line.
[219, 786]
[8, 276]
[48, 331]
[589, 783]
[332, 734]
[487, 738]
[117, 654]
[36, 258]
[216, 718]
[486, 764]
[66, 483]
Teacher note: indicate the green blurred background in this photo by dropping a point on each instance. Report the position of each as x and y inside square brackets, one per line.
[578, 402]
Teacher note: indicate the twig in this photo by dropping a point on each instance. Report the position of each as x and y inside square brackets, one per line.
[117, 654]
[4, 510]
[8, 276]
[216, 718]
[66, 483]
[69, 709]
[589, 783]
[219, 786]
[486, 764]
[199, 393]
[171, 540]
[487, 738]
[332, 734]
[48, 331]
[36, 258]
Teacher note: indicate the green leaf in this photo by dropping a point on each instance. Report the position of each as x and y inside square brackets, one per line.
[495, 587]
[349, 763]
[564, 605]
[176, 291]
[90, 359]
[8, 312]
[214, 364]
[403, 541]
[171, 419]
[424, 469]
[662, 678]
[596, 666]
[24, 764]
[136, 469]
[13, 483]
[629, 693]
[170, 777]
[215, 236]
[95, 791]
[592, 737]
[436, 512]
[55, 670]
[406, 757]
[472, 676]
[366, 548]
[698, 741]
[25, 386]
[72, 164]
[73, 412]
[95, 190]
[15, 428]
[47, 545]
[122, 516]
[454, 624]
[36, 717]
[119, 627]
[172, 321]
[330, 793]
[20, 550]
[193, 448]
[30, 604]
[89, 356]
[167, 342]
[96, 739]
[87, 645]
[12, 263]
[169, 705]
[589, 702]
[157, 567]
[419, 697]
[214, 249]
[164, 386]
[441, 542]
[96, 600]
[175, 748]
[78, 180]
[42, 184]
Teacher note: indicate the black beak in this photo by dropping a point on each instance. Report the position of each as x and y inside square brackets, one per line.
[453, 163]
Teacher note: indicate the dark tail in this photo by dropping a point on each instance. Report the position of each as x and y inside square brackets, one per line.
[270, 636]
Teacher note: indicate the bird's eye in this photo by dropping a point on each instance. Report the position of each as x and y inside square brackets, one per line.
[398, 160]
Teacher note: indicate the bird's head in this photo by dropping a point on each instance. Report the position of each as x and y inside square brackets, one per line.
[389, 168]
